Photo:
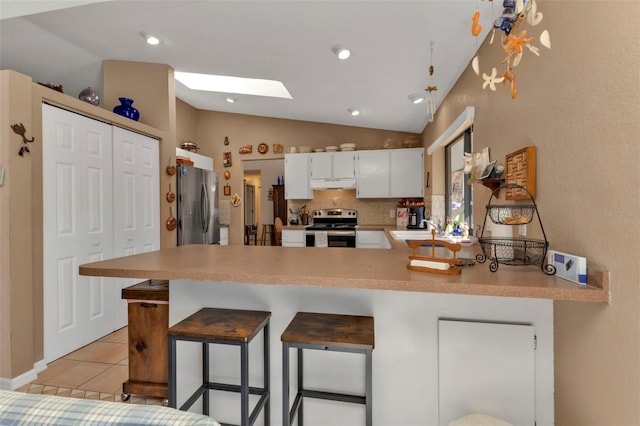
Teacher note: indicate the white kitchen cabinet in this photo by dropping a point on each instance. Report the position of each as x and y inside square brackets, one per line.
[333, 165]
[372, 174]
[394, 173]
[293, 238]
[224, 235]
[101, 200]
[407, 173]
[296, 177]
[372, 239]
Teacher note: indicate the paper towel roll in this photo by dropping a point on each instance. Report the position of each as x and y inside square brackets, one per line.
[428, 264]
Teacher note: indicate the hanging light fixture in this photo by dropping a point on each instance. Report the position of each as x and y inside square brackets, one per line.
[431, 90]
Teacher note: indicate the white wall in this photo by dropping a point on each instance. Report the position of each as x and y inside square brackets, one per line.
[405, 358]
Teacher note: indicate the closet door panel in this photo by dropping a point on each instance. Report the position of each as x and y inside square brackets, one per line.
[136, 168]
[77, 228]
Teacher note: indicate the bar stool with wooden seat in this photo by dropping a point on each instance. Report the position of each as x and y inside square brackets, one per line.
[267, 229]
[227, 327]
[328, 332]
[250, 231]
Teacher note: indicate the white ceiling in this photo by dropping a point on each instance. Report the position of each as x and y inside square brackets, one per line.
[289, 41]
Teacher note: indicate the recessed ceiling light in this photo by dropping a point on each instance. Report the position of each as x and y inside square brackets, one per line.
[230, 100]
[354, 112]
[228, 84]
[341, 52]
[150, 39]
[416, 98]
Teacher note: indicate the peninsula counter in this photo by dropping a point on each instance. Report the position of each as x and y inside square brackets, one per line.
[407, 307]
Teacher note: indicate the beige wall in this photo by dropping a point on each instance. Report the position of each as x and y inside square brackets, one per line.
[186, 122]
[16, 274]
[579, 104]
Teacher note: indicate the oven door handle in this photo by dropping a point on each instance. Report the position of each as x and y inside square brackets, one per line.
[341, 233]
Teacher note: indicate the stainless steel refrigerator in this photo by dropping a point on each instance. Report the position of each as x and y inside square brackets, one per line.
[197, 196]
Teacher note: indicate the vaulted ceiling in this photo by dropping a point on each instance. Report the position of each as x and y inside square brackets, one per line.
[393, 43]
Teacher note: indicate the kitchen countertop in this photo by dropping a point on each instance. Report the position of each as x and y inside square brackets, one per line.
[378, 269]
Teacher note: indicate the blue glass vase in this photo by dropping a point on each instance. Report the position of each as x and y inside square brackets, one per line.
[126, 110]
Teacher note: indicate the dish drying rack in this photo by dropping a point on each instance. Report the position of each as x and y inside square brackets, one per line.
[433, 263]
[518, 251]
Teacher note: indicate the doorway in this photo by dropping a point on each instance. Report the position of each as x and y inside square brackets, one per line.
[249, 204]
[262, 174]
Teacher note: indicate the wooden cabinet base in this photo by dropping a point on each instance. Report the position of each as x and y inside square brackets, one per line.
[148, 309]
[157, 390]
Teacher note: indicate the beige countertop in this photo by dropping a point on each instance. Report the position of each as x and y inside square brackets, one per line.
[376, 269]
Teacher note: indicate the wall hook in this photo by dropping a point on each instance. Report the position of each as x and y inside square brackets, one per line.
[20, 130]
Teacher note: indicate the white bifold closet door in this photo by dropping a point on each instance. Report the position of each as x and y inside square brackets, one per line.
[136, 193]
[77, 229]
[100, 200]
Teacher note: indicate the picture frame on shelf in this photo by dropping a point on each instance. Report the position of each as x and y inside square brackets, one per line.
[488, 171]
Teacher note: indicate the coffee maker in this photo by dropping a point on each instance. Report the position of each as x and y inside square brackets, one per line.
[416, 218]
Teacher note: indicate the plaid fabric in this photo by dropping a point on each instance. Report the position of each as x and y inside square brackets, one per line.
[18, 408]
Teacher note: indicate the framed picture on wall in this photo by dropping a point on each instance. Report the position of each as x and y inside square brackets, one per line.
[226, 159]
[227, 190]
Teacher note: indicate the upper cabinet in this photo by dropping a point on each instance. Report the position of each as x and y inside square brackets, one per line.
[373, 172]
[296, 175]
[407, 173]
[333, 170]
[397, 173]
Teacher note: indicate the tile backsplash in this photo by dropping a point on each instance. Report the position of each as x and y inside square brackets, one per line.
[370, 211]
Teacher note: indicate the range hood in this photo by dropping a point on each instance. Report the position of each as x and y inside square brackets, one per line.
[333, 183]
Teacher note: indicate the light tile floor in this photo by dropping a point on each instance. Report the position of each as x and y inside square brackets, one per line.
[95, 371]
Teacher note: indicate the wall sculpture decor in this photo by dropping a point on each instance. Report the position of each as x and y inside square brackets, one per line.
[226, 155]
[513, 43]
[19, 129]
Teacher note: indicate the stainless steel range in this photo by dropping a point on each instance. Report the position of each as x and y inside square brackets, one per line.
[339, 225]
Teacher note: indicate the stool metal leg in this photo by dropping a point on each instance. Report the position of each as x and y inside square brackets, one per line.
[369, 387]
[205, 377]
[300, 386]
[172, 373]
[267, 376]
[285, 385]
[244, 384]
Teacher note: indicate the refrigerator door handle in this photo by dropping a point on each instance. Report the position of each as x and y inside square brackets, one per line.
[204, 210]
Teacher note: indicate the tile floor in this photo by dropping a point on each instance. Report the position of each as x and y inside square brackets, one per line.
[95, 371]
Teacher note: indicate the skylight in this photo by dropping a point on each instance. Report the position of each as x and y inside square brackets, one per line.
[227, 84]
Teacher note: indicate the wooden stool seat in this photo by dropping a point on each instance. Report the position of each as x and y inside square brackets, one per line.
[327, 332]
[221, 324]
[228, 327]
[337, 331]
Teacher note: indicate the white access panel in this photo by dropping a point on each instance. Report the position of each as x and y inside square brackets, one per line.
[486, 368]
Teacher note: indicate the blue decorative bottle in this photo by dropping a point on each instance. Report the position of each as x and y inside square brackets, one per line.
[126, 110]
